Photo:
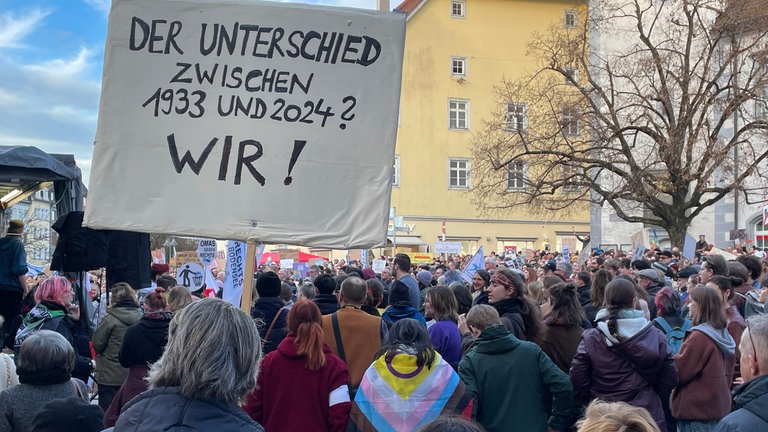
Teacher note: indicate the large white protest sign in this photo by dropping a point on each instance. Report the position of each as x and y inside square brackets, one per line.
[215, 115]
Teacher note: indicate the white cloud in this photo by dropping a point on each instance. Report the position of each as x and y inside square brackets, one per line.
[99, 5]
[58, 69]
[14, 28]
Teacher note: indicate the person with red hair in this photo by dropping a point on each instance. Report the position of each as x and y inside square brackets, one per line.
[302, 372]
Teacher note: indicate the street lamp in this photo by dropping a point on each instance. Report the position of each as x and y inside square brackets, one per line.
[170, 245]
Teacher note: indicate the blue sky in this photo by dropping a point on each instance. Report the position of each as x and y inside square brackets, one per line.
[51, 54]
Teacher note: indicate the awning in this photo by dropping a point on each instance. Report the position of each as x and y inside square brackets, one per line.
[406, 240]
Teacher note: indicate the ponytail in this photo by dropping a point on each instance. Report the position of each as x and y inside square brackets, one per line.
[309, 343]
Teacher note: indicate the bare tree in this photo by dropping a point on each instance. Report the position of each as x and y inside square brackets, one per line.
[651, 108]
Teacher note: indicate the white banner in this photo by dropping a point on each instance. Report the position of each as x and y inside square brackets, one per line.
[447, 247]
[378, 265]
[234, 278]
[214, 115]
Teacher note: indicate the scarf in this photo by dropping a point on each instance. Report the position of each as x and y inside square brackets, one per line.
[48, 377]
[34, 321]
[401, 396]
[158, 316]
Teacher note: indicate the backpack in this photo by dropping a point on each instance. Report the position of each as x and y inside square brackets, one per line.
[675, 335]
[752, 305]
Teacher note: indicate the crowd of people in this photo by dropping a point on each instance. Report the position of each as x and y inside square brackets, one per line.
[532, 342]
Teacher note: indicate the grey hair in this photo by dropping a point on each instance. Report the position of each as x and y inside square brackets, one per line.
[307, 290]
[46, 350]
[566, 267]
[758, 333]
[213, 352]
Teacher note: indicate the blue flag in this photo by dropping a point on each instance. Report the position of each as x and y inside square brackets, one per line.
[473, 266]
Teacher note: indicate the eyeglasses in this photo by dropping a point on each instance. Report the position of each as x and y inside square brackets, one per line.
[752, 343]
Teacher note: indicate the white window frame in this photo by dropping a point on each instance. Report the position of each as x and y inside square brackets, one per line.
[512, 123]
[396, 172]
[462, 61]
[570, 122]
[460, 4]
[571, 19]
[569, 187]
[458, 166]
[517, 171]
[572, 71]
[457, 110]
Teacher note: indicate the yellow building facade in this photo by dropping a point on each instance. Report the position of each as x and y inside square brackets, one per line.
[456, 51]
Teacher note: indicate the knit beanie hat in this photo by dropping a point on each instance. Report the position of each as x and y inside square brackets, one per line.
[268, 285]
[425, 277]
[399, 293]
[72, 414]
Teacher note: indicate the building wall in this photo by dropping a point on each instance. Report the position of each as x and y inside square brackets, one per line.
[492, 37]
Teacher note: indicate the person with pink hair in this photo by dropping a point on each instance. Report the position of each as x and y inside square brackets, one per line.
[55, 311]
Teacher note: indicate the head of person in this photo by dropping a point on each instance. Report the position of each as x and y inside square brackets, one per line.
[72, 414]
[582, 279]
[306, 323]
[564, 269]
[354, 292]
[399, 295]
[505, 284]
[401, 264]
[754, 348]
[463, 297]
[410, 333]
[738, 273]
[375, 292]
[616, 417]
[55, 290]
[481, 280]
[440, 304]
[619, 294]
[424, 277]
[122, 292]
[706, 306]
[166, 282]
[451, 423]
[725, 285]
[537, 292]
[155, 301]
[752, 264]
[354, 271]
[712, 265]
[45, 352]
[482, 317]
[286, 293]
[667, 303]
[208, 371]
[268, 285]
[600, 281]
[386, 274]
[325, 284]
[648, 278]
[565, 307]
[306, 291]
[178, 298]
[550, 280]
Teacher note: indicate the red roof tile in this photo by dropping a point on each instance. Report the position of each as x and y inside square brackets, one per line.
[409, 6]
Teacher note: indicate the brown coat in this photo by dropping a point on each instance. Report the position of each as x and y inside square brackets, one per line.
[705, 375]
[361, 337]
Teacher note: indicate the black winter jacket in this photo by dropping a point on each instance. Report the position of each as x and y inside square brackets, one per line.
[264, 312]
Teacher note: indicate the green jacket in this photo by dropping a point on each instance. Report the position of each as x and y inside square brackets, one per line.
[107, 341]
[510, 381]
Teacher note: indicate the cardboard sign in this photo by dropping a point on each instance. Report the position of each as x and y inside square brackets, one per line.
[244, 106]
[447, 247]
[378, 265]
[206, 251]
[191, 275]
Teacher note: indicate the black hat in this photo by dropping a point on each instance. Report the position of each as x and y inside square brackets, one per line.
[399, 293]
[70, 414]
[268, 285]
[688, 272]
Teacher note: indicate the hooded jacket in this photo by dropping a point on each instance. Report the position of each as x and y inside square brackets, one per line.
[750, 402]
[166, 409]
[394, 314]
[498, 366]
[13, 263]
[630, 370]
[705, 364]
[328, 303]
[108, 339]
[264, 311]
[290, 397]
[511, 311]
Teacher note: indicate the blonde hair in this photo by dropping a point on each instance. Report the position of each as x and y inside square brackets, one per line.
[8, 377]
[121, 291]
[483, 316]
[178, 297]
[616, 417]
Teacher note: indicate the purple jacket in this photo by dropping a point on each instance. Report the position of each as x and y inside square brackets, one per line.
[630, 371]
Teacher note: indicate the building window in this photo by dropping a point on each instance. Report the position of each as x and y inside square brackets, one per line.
[570, 121]
[761, 104]
[458, 173]
[761, 234]
[396, 172]
[517, 117]
[516, 176]
[571, 19]
[458, 114]
[570, 179]
[459, 66]
[458, 9]
[41, 213]
[571, 75]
